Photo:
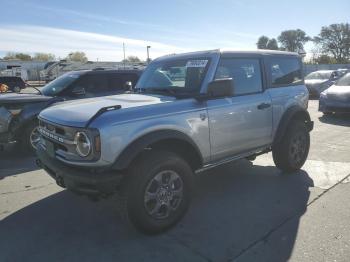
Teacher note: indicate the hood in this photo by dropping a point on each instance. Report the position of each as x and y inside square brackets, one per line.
[341, 90]
[77, 113]
[315, 82]
[341, 93]
[22, 98]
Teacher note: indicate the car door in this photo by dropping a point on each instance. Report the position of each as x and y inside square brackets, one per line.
[243, 122]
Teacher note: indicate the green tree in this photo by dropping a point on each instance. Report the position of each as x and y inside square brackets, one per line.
[262, 42]
[334, 40]
[272, 44]
[266, 43]
[44, 57]
[293, 40]
[20, 56]
[77, 57]
[325, 59]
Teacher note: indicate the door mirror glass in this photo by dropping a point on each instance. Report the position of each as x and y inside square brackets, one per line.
[128, 85]
[78, 91]
[221, 88]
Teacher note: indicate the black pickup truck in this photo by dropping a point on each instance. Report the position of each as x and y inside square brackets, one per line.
[14, 83]
[18, 111]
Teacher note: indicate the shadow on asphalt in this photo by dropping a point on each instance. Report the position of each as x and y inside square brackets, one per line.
[14, 161]
[234, 206]
[336, 119]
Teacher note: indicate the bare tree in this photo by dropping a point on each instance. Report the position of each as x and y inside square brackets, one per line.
[20, 56]
[132, 59]
[77, 57]
[44, 57]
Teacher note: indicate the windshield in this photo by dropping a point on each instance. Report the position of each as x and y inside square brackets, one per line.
[344, 81]
[181, 76]
[60, 83]
[319, 75]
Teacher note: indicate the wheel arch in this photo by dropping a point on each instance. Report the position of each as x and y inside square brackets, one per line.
[170, 140]
[292, 114]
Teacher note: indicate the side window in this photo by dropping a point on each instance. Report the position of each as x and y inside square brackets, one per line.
[95, 84]
[118, 82]
[285, 71]
[246, 74]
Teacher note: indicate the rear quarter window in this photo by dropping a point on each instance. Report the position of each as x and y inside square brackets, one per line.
[285, 71]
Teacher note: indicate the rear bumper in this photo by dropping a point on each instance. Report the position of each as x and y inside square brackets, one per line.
[326, 105]
[84, 181]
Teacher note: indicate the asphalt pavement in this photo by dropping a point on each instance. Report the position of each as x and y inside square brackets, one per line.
[243, 211]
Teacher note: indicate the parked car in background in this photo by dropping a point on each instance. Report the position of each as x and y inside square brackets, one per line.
[317, 82]
[190, 112]
[336, 99]
[18, 111]
[343, 71]
[14, 83]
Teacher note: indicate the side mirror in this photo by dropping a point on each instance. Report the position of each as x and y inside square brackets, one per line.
[221, 88]
[128, 85]
[78, 91]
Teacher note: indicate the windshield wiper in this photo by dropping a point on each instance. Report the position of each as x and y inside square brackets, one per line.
[37, 89]
[173, 92]
[162, 90]
[157, 90]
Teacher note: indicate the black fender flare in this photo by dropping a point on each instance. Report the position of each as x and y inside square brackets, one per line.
[139, 145]
[29, 114]
[292, 113]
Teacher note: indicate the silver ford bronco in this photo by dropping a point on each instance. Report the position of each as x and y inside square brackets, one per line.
[188, 113]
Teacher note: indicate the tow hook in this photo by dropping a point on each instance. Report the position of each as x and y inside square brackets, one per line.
[60, 182]
[38, 163]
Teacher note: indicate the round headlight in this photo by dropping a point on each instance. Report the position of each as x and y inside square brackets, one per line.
[83, 144]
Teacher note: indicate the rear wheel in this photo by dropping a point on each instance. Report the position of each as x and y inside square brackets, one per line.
[291, 153]
[158, 192]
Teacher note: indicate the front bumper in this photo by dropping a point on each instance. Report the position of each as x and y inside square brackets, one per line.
[5, 119]
[6, 138]
[80, 180]
[326, 105]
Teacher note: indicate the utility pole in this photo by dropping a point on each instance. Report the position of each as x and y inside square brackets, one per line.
[148, 47]
[124, 54]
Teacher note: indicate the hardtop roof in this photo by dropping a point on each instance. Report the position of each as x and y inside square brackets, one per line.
[203, 53]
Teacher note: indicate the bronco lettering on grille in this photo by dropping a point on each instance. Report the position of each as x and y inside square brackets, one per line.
[50, 135]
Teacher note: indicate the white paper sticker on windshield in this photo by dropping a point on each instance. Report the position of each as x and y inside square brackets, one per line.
[196, 63]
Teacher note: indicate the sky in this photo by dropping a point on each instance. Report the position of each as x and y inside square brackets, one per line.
[99, 28]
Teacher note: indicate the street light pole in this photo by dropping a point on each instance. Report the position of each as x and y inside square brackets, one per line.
[124, 54]
[148, 47]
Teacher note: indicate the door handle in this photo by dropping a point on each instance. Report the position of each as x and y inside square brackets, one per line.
[263, 106]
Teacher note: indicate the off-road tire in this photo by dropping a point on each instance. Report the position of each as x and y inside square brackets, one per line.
[142, 172]
[16, 89]
[290, 155]
[327, 113]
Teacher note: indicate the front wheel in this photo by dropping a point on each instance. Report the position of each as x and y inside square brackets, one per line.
[17, 89]
[30, 137]
[291, 153]
[158, 191]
